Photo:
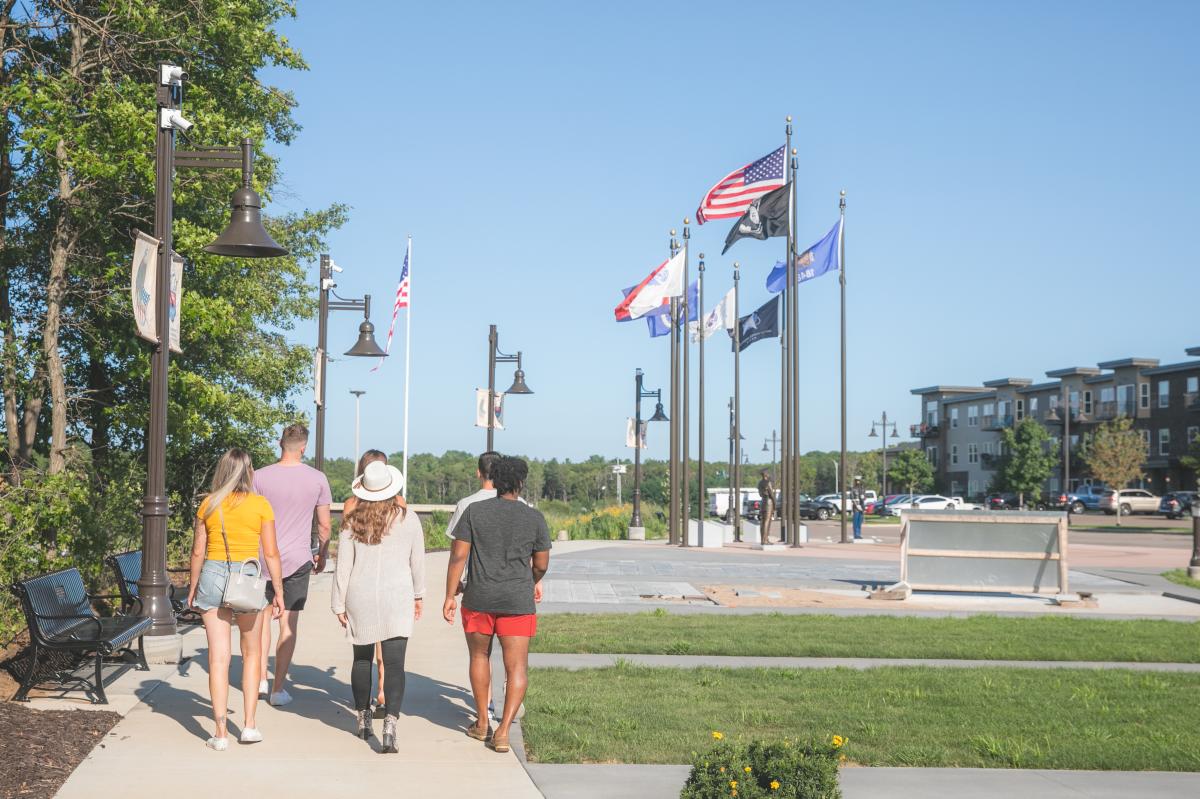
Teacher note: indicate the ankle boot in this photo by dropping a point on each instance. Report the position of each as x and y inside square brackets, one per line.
[364, 724]
[389, 735]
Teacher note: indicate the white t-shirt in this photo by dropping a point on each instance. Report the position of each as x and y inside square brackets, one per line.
[478, 496]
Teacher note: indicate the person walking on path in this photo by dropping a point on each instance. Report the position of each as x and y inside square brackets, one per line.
[378, 589]
[232, 525]
[858, 502]
[370, 456]
[766, 494]
[507, 544]
[296, 491]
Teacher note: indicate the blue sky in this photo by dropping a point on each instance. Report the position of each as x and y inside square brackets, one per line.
[1021, 187]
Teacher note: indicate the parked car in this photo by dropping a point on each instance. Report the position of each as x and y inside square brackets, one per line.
[836, 499]
[1177, 504]
[818, 508]
[1085, 498]
[1131, 500]
[1010, 501]
[923, 502]
[890, 500]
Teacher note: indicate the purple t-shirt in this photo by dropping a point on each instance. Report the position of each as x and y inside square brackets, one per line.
[294, 492]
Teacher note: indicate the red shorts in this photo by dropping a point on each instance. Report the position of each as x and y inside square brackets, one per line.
[523, 626]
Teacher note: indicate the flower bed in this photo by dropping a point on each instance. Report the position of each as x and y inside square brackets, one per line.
[756, 769]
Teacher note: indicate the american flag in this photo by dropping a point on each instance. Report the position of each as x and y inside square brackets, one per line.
[733, 193]
[401, 302]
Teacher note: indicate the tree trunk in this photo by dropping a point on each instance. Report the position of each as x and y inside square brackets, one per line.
[62, 244]
[8, 355]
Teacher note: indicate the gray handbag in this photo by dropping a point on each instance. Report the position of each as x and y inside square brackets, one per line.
[244, 593]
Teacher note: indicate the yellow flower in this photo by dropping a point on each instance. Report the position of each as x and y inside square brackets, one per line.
[746, 769]
[717, 735]
[722, 769]
[838, 741]
[733, 783]
[774, 785]
[841, 758]
[733, 792]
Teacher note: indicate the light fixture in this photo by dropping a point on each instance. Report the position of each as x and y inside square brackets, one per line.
[366, 346]
[658, 416]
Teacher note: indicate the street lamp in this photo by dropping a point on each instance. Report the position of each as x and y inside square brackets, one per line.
[357, 418]
[365, 347]
[637, 532]
[243, 238]
[873, 434]
[1194, 565]
[518, 386]
[774, 440]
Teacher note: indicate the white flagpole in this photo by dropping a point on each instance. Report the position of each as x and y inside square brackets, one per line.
[407, 360]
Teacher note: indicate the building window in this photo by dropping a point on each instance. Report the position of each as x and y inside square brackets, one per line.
[1033, 407]
[972, 453]
[973, 416]
[1073, 398]
[1145, 434]
[1193, 385]
[954, 417]
[1087, 402]
[1164, 393]
[999, 449]
[932, 454]
[1020, 409]
[954, 455]
[1144, 394]
[1192, 432]
[1125, 399]
[1053, 485]
[931, 413]
[1074, 441]
[1164, 441]
[989, 409]
[953, 487]
[987, 448]
[972, 487]
[1052, 402]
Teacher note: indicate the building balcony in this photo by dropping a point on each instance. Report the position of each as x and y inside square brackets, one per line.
[1106, 411]
[923, 430]
[1191, 401]
[989, 461]
[994, 423]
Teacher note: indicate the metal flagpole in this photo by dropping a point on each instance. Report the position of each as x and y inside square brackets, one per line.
[785, 527]
[673, 455]
[842, 283]
[790, 437]
[794, 339]
[407, 362]
[737, 411]
[685, 484]
[700, 406]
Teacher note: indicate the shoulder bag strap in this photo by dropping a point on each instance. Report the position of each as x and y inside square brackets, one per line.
[228, 560]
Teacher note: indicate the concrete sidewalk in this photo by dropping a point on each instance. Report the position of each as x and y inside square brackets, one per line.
[309, 748]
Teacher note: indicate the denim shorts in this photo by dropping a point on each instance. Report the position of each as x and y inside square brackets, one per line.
[214, 574]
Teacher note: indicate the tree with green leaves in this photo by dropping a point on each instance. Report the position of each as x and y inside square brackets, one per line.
[1028, 460]
[1115, 453]
[911, 469]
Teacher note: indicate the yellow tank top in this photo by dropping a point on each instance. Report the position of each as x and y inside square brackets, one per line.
[244, 516]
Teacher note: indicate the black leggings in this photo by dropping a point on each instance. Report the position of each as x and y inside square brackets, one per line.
[393, 666]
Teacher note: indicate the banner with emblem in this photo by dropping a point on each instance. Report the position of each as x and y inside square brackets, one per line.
[763, 323]
[481, 409]
[822, 257]
[629, 439]
[144, 291]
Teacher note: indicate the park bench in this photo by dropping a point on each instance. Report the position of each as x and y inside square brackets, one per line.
[127, 569]
[61, 619]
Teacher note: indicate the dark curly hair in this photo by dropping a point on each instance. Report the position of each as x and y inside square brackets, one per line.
[508, 475]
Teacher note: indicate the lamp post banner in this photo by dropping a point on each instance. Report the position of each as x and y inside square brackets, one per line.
[317, 376]
[629, 440]
[175, 299]
[143, 290]
[481, 409]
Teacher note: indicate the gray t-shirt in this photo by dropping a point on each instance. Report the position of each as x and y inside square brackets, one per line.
[503, 535]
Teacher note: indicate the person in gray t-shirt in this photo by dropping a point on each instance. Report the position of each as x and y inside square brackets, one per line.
[508, 546]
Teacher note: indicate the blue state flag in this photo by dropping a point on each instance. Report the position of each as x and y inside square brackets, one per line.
[658, 321]
[813, 262]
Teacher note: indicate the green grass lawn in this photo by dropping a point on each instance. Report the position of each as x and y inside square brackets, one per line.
[990, 717]
[977, 637]
[1180, 576]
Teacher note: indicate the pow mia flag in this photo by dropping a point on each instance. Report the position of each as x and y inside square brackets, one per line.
[766, 217]
[763, 323]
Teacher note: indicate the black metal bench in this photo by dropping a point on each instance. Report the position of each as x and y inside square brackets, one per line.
[60, 617]
[127, 569]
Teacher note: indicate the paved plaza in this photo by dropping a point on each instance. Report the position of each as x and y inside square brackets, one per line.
[309, 746]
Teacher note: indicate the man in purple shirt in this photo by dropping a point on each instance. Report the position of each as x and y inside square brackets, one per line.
[296, 492]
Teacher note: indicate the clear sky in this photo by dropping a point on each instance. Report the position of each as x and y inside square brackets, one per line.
[1021, 182]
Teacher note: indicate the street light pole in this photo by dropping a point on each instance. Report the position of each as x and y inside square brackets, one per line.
[357, 419]
[873, 434]
[244, 237]
[495, 356]
[637, 531]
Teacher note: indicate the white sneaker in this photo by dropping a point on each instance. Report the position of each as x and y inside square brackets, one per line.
[264, 688]
[281, 698]
[217, 744]
[250, 735]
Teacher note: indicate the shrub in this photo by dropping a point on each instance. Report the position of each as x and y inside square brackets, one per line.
[436, 534]
[756, 770]
[611, 523]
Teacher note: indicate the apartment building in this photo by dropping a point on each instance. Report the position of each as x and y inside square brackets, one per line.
[962, 426]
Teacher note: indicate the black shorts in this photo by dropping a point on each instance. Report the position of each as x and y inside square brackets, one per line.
[295, 588]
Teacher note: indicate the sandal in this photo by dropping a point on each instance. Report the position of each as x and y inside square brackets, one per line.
[500, 744]
[479, 735]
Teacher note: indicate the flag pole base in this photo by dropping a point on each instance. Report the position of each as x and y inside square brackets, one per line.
[637, 533]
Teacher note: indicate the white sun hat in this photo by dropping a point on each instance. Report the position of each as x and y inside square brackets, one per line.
[379, 481]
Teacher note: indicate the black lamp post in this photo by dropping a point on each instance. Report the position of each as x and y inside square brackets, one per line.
[518, 386]
[243, 238]
[635, 521]
[873, 434]
[365, 347]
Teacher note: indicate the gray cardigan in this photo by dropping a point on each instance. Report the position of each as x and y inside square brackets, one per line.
[375, 585]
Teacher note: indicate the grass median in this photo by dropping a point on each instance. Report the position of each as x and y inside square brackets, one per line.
[780, 635]
[986, 717]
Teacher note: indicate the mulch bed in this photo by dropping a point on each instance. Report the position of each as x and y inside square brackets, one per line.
[40, 748]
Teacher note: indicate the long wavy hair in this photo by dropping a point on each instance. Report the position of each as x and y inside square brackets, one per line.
[370, 456]
[369, 521]
[233, 475]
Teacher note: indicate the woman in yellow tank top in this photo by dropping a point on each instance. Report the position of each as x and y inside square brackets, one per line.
[248, 524]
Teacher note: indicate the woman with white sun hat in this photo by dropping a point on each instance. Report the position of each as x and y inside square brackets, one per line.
[378, 587]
